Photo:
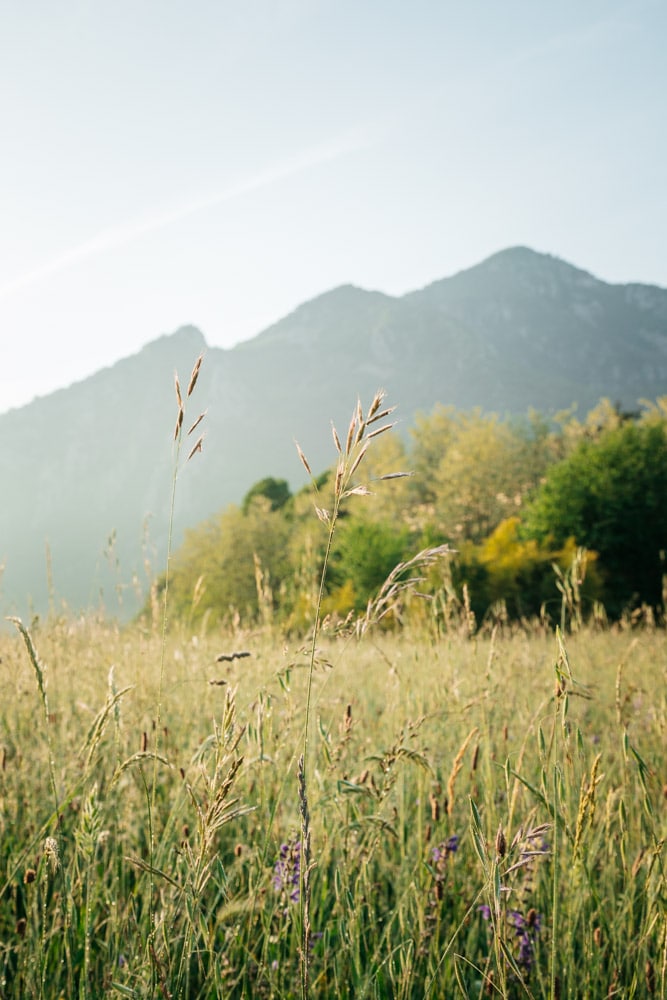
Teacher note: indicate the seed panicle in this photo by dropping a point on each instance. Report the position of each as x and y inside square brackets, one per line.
[194, 376]
[303, 458]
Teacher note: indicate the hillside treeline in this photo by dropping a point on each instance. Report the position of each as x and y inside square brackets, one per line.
[546, 519]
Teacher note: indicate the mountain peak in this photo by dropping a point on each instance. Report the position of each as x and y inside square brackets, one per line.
[184, 338]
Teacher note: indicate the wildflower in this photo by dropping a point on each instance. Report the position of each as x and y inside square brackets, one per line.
[532, 920]
[287, 870]
[438, 869]
[313, 938]
[442, 851]
[526, 952]
[527, 929]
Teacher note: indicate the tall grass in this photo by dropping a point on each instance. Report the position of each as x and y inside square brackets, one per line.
[395, 901]
[414, 813]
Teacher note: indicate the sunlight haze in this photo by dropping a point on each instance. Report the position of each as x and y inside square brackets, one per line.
[219, 164]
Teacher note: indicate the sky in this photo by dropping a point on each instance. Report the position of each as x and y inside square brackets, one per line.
[218, 163]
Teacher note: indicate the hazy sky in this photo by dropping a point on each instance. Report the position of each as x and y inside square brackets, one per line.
[218, 163]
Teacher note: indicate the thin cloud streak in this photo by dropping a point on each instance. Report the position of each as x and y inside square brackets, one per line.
[121, 235]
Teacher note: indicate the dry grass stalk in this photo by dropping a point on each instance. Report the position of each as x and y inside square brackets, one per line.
[197, 422]
[306, 869]
[403, 578]
[196, 448]
[456, 767]
[586, 809]
[374, 417]
[350, 433]
[380, 430]
[357, 461]
[195, 375]
[501, 843]
[303, 458]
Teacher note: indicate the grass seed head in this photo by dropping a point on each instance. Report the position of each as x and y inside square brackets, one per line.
[195, 375]
[381, 415]
[304, 461]
[381, 430]
[358, 459]
[197, 422]
[52, 854]
[196, 447]
[350, 434]
[376, 404]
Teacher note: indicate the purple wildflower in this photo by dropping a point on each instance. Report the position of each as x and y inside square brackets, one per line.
[527, 928]
[287, 870]
[526, 952]
[313, 938]
[446, 847]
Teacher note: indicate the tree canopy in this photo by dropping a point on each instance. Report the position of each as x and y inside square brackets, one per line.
[610, 494]
[516, 499]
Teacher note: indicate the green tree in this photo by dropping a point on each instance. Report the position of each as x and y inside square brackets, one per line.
[431, 436]
[214, 571]
[276, 491]
[480, 479]
[366, 553]
[610, 494]
[473, 470]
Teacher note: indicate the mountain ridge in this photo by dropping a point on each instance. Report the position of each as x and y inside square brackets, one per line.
[83, 467]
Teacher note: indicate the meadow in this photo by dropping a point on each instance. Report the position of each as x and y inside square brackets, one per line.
[401, 804]
[486, 813]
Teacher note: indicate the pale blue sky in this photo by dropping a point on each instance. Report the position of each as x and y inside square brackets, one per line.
[219, 163]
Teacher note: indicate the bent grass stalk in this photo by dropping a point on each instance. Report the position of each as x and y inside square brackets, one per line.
[41, 684]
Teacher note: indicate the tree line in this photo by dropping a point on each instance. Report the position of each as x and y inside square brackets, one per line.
[538, 513]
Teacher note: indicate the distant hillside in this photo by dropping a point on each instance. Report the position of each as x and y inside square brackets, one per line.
[93, 461]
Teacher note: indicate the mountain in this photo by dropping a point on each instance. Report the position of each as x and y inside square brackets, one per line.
[88, 471]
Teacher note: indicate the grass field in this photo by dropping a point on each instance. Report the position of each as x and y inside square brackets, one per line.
[486, 816]
[428, 812]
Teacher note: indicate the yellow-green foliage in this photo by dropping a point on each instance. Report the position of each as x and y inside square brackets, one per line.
[524, 575]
